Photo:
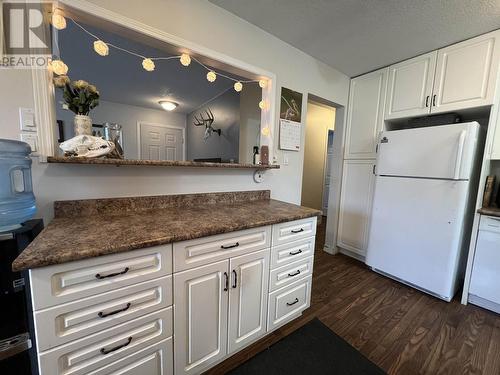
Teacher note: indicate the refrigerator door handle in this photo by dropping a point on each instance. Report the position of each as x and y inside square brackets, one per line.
[460, 152]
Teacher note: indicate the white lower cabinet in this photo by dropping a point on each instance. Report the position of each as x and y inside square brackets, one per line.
[161, 312]
[356, 200]
[200, 317]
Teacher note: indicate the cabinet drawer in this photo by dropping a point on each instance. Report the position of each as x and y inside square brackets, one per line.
[93, 352]
[290, 273]
[156, 359]
[287, 304]
[64, 323]
[294, 230]
[67, 282]
[291, 252]
[201, 251]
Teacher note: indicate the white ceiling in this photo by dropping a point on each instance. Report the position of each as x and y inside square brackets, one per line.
[357, 36]
[120, 77]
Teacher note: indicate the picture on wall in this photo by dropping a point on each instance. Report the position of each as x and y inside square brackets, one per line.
[291, 105]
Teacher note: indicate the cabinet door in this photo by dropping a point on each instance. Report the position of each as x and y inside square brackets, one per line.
[365, 116]
[355, 205]
[200, 317]
[248, 298]
[466, 74]
[409, 89]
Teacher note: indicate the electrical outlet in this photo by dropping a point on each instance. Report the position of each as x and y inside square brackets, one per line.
[285, 159]
[32, 140]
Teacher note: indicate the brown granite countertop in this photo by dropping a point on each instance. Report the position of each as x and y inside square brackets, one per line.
[71, 238]
[490, 211]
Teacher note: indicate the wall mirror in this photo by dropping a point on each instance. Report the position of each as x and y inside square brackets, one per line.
[151, 99]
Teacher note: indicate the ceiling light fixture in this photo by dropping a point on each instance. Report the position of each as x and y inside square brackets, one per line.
[168, 105]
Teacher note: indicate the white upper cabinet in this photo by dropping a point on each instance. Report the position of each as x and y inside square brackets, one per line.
[410, 87]
[365, 116]
[466, 74]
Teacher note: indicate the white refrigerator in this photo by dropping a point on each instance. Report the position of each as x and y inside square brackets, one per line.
[423, 205]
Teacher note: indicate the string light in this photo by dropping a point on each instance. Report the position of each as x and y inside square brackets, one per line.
[148, 64]
[185, 59]
[101, 48]
[59, 67]
[211, 76]
[262, 83]
[238, 86]
[58, 21]
[262, 104]
[265, 131]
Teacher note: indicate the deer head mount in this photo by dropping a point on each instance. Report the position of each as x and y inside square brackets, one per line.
[207, 122]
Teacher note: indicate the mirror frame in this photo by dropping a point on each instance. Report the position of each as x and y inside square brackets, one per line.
[44, 91]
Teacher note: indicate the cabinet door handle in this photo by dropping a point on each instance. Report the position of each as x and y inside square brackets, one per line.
[99, 276]
[226, 282]
[297, 230]
[103, 315]
[292, 303]
[373, 170]
[434, 100]
[235, 282]
[107, 351]
[295, 252]
[230, 246]
[294, 274]
[427, 101]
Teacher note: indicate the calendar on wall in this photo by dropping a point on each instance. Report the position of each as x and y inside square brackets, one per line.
[290, 135]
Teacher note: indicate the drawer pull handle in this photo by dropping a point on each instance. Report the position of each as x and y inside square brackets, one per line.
[235, 284]
[226, 282]
[107, 351]
[292, 303]
[295, 252]
[294, 274]
[103, 315]
[297, 230]
[99, 276]
[230, 246]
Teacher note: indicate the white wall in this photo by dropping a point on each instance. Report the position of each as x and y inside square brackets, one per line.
[127, 116]
[230, 35]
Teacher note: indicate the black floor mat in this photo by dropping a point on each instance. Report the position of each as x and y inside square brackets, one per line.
[313, 350]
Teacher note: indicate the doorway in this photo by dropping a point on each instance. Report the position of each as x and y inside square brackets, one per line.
[160, 142]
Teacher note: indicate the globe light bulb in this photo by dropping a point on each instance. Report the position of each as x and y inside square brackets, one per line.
[238, 86]
[148, 65]
[101, 48]
[262, 104]
[59, 67]
[262, 83]
[185, 59]
[211, 76]
[58, 21]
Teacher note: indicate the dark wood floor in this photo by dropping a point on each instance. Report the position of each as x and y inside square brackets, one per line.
[399, 328]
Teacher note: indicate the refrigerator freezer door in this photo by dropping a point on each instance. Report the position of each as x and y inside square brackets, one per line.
[416, 230]
[445, 152]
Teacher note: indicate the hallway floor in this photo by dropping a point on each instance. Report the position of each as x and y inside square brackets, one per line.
[402, 330]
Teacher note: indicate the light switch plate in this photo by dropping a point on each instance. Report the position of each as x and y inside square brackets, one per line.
[27, 119]
[32, 140]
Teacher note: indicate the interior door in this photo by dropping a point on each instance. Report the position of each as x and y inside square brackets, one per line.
[409, 89]
[328, 171]
[248, 298]
[200, 317]
[466, 74]
[161, 143]
[355, 205]
[444, 151]
[365, 116]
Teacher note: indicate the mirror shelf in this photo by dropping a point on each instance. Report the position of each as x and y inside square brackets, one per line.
[161, 163]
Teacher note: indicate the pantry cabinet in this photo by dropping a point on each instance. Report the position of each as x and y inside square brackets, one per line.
[365, 115]
[355, 205]
[410, 87]
[454, 78]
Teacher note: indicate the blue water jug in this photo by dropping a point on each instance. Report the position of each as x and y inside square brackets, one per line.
[17, 202]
